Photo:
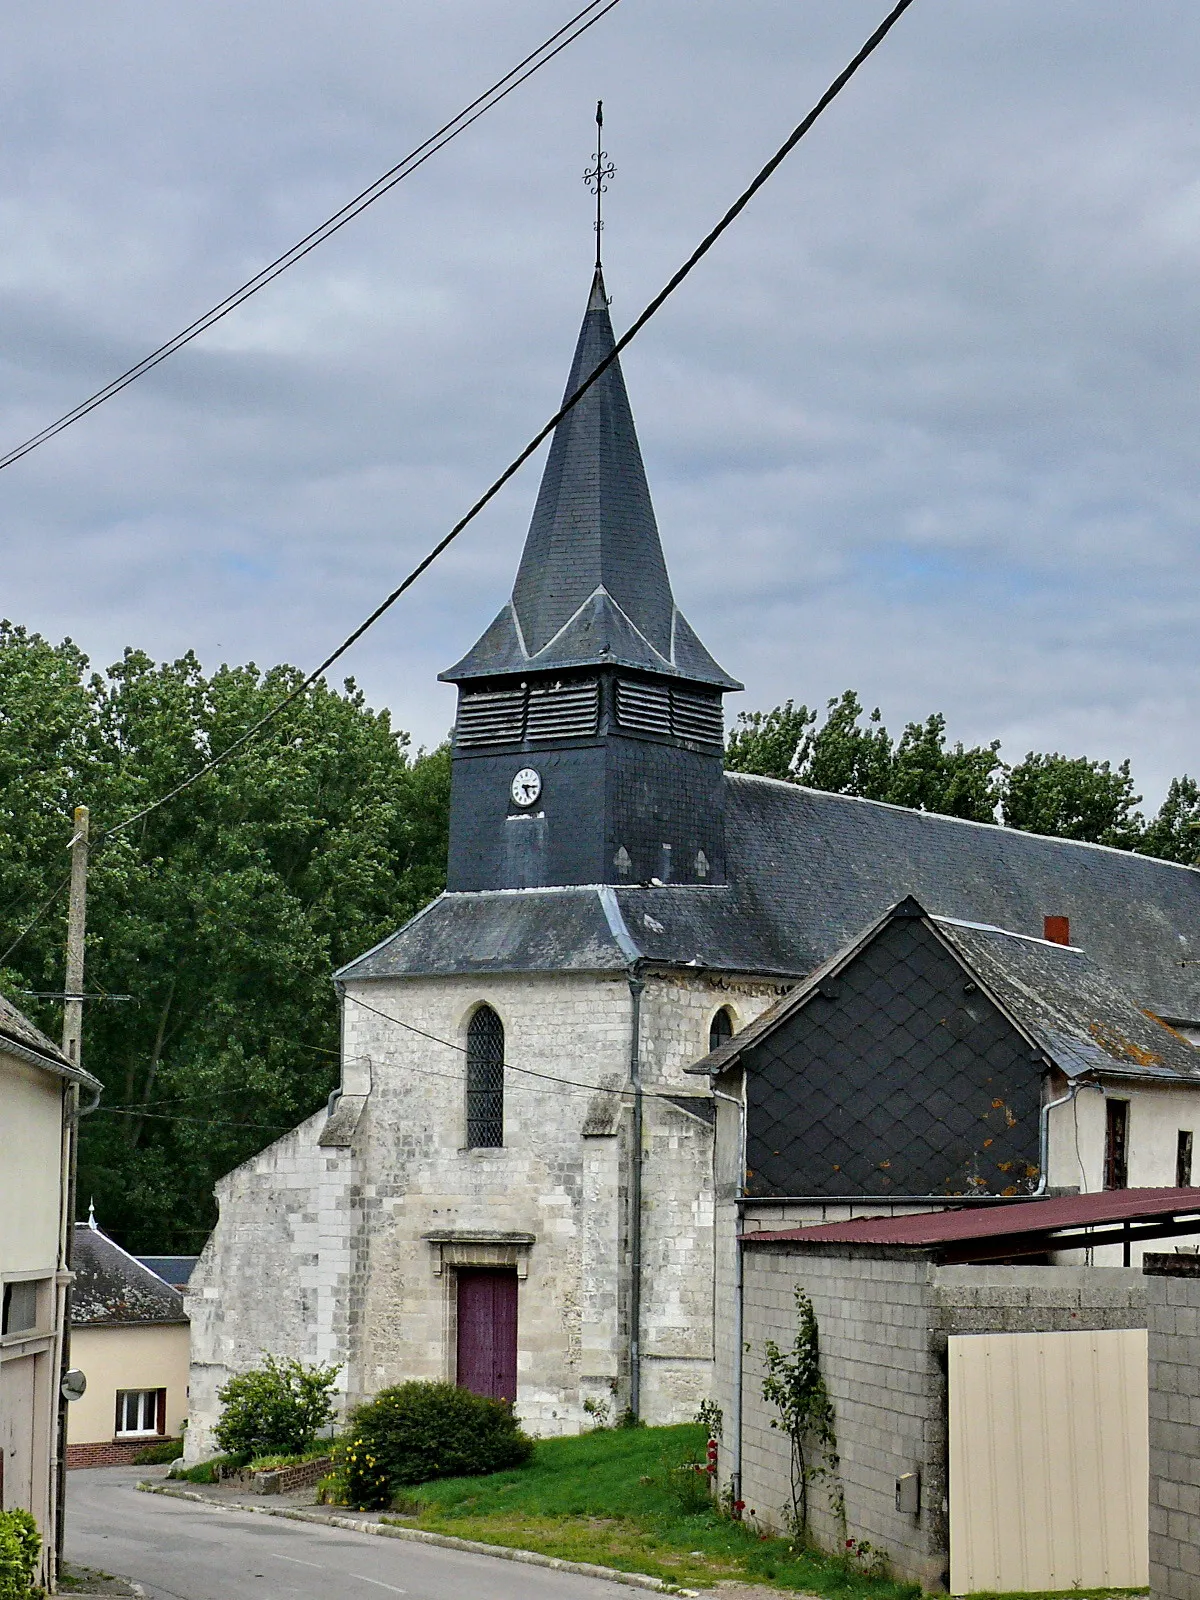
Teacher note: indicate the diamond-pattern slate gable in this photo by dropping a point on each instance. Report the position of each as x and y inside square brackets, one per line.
[901, 1078]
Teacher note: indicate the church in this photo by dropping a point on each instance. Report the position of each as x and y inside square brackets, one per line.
[516, 1186]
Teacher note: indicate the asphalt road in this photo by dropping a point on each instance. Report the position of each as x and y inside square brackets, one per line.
[178, 1550]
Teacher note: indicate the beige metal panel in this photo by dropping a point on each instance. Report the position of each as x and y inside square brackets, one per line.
[1049, 1461]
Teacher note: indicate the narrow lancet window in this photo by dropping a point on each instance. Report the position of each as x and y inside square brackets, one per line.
[720, 1029]
[485, 1080]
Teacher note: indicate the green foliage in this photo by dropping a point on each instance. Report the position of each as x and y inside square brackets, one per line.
[278, 1408]
[223, 914]
[711, 1418]
[1067, 797]
[847, 756]
[159, 1455]
[1174, 835]
[419, 1431]
[20, 1546]
[795, 1387]
[1073, 798]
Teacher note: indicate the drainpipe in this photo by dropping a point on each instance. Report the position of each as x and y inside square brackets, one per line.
[735, 1476]
[637, 985]
[1044, 1130]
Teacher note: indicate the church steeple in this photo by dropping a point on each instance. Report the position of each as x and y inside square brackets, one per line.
[588, 746]
[592, 589]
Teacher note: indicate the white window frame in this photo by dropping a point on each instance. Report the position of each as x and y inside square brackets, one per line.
[146, 1398]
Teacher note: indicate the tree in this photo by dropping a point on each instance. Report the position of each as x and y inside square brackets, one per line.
[773, 744]
[1175, 832]
[1073, 798]
[223, 914]
[844, 756]
[1066, 797]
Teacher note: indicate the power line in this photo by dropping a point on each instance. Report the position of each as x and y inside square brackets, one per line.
[491, 97]
[529, 1072]
[701, 250]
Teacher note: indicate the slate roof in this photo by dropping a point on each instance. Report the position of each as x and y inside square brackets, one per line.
[1071, 1007]
[19, 1028]
[114, 1289]
[808, 871]
[175, 1270]
[1059, 999]
[592, 588]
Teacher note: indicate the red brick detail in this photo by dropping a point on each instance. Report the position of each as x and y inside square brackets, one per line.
[109, 1452]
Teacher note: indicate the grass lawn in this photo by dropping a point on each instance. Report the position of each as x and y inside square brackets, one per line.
[604, 1497]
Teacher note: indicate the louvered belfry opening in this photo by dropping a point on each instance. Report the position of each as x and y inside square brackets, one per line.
[558, 709]
[574, 709]
[485, 1080]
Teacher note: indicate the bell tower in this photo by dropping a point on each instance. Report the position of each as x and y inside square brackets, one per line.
[589, 741]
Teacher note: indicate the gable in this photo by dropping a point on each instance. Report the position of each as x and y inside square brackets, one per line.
[898, 1076]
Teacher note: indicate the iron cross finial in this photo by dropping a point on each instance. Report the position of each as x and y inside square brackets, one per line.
[597, 177]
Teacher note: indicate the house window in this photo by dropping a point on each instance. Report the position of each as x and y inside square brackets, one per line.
[485, 1080]
[1183, 1159]
[720, 1028]
[1116, 1145]
[141, 1411]
[20, 1307]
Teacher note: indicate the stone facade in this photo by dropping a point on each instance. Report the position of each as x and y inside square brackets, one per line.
[340, 1242]
[1173, 1292]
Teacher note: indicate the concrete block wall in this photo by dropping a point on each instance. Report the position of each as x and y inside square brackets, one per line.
[887, 1392]
[1173, 1306]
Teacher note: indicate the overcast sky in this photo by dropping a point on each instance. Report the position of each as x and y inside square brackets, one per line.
[926, 423]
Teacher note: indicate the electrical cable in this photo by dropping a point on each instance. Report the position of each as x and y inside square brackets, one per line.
[529, 1072]
[30, 926]
[416, 158]
[701, 250]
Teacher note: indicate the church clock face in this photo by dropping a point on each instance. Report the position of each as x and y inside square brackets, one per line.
[526, 787]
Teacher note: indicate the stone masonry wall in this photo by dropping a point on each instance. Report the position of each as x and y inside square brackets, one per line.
[886, 1389]
[1173, 1294]
[274, 1275]
[350, 1254]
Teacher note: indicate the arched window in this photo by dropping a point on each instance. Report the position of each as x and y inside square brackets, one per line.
[720, 1028]
[485, 1080]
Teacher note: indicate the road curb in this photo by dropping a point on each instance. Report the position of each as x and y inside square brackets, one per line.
[387, 1530]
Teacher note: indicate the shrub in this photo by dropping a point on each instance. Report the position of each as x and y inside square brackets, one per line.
[419, 1431]
[159, 1455]
[20, 1546]
[277, 1409]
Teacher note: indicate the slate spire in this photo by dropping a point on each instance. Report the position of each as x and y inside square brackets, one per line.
[592, 588]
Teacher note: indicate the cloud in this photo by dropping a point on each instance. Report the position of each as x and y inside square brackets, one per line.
[925, 422]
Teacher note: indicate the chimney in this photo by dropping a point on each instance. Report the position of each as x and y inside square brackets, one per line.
[1057, 930]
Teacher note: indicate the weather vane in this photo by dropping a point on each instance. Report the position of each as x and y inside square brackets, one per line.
[597, 177]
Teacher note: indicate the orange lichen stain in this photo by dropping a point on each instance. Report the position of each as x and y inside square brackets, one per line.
[885, 1163]
[1116, 1044]
[1004, 1166]
[1012, 1189]
[996, 1104]
[988, 1142]
[1154, 1017]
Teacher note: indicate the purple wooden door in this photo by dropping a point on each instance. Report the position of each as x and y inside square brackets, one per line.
[487, 1332]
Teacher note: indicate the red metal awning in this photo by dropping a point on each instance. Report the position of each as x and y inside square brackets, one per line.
[1061, 1223]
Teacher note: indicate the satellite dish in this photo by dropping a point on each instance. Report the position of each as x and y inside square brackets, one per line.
[73, 1385]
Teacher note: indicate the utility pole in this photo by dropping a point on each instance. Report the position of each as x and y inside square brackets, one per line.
[72, 1043]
